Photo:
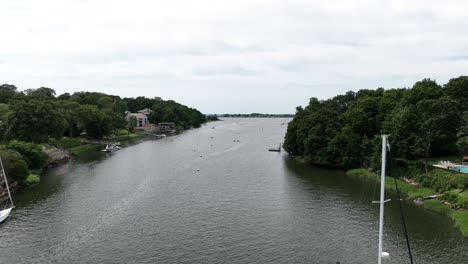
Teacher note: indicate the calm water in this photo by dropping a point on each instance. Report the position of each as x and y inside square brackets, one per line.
[147, 203]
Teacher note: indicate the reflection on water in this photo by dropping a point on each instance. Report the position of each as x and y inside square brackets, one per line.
[203, 197]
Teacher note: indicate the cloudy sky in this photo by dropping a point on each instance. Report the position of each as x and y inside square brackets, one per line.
[231, 56]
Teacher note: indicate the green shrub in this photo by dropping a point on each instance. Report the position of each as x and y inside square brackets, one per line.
[32, 179]
[462, 202]
[450, 196]
[15, 167]
[31, 153]
[120, 132]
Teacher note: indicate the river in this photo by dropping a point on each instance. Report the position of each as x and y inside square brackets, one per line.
[203, 197]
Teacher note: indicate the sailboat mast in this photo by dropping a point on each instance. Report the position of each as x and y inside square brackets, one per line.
[382, 194]
[6, 182]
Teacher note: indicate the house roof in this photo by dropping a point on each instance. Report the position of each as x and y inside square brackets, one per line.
[146, 110]
[137, 115]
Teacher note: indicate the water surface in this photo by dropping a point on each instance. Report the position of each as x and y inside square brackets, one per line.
[203, 197]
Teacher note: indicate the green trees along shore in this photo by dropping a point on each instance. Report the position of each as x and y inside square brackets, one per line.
[36, 118]
[424, 122]
[344, 131]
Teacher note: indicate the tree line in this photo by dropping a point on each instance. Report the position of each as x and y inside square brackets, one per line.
[427, 119]
[34, 117]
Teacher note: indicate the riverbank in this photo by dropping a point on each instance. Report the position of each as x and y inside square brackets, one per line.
[450, 203]
[61, 151]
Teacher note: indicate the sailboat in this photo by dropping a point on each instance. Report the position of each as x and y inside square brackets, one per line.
[5, 212]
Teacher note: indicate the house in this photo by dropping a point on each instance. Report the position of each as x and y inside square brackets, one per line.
[142, 119]
[166, 126]
[145, 111]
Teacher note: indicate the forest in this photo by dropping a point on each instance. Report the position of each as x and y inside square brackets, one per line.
[423, 121]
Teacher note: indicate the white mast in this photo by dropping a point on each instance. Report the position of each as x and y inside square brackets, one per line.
[382, 197]
[6, 183]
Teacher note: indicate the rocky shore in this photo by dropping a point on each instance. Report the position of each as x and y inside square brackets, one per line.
[55, 156]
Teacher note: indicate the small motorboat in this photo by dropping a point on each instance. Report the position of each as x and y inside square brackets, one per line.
[111, 148]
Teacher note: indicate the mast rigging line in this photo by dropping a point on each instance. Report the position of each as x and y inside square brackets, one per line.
[392, 174]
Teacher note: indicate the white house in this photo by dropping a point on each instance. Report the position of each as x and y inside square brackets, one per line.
[142, 119]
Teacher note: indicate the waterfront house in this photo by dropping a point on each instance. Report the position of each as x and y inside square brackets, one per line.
[142, 119]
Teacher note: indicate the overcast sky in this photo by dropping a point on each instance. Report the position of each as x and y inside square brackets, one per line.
[231, 56]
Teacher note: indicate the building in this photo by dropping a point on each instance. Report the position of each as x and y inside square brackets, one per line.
[145, 111]
[142, 119]
[166, 126]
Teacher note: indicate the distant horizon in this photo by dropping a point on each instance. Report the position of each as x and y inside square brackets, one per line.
[234, 112]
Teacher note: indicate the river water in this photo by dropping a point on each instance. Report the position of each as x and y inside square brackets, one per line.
[203, 197]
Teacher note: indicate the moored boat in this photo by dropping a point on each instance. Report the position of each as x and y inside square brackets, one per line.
[5, 212]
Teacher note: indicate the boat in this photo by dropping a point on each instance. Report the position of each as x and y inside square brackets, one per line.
[111, 148]
[276, 149]
[159, 136]
[5, 212]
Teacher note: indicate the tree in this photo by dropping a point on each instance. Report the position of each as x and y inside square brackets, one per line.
[457, 88]
[34, 121]
[425, 89]
[71, 112]
[7, 93]
[105, 103]
[131, 123]
[31, 153]
[96, 124]
[118, 120]
[435, 119]
[15, 167]
[42, 93]
[462, 135]
[4, 109]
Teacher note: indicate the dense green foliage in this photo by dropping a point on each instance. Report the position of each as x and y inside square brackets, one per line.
[15, 167]
[170, 111]
[38, 115]
[34, 121]
[344, 131]
[33, 179]
[31, 153]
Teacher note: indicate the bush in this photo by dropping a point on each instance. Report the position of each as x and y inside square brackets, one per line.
[32, 179]
[443, 180]
[462, 202]
[15, 167]
[121, 132]
[450, 196]
[31, 153]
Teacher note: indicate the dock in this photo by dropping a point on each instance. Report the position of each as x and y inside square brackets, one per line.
[275, 149]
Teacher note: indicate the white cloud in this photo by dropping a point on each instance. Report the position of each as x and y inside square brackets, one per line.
[231, 56]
